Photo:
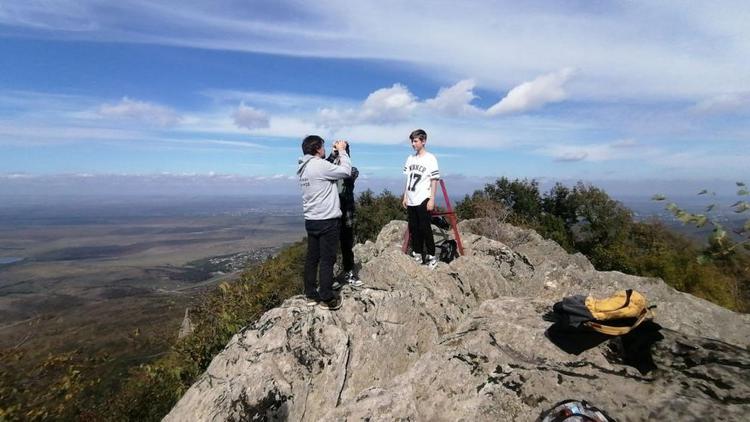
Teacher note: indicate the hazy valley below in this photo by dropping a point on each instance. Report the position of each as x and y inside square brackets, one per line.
[113, 276]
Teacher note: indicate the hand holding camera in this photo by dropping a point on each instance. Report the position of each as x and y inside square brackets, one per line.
[340, 145]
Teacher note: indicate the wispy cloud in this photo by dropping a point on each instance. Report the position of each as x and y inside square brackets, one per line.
[638, 49]
[210, 142]
[571, 155]
[250, 118]
[724, 104]
[286, 101]
[140, 110]
[625, 143]
[702, 163]
[623, 149]
[534, 94]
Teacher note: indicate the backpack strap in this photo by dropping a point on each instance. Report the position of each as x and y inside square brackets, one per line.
[645, 314]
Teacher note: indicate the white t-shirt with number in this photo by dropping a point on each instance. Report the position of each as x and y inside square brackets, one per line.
[420, 171]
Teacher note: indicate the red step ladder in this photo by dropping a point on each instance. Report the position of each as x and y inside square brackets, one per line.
[451, 218]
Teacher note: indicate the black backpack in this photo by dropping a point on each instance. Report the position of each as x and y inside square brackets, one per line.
[441, 222]
[448, 250]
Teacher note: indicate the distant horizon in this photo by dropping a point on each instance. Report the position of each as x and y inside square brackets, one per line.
[185, 185]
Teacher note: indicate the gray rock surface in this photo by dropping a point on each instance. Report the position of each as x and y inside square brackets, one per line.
[467, 341]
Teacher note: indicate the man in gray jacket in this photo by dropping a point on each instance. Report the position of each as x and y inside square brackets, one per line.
[322, 210]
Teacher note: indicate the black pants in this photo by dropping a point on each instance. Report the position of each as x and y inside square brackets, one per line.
[322, 243]
[347, 243]
[420, 229]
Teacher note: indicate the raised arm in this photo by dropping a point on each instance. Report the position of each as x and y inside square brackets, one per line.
[343, 169]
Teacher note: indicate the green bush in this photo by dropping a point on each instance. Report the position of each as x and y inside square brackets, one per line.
[374, 212]
[585, 219]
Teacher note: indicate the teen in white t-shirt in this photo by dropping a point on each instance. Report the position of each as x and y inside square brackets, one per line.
[422, 174]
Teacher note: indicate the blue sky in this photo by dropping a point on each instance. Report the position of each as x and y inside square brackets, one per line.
[628, 92]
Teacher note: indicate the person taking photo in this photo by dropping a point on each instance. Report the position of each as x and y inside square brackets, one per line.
[322, 212]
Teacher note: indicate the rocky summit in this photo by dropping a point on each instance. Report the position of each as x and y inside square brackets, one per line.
[469, 341]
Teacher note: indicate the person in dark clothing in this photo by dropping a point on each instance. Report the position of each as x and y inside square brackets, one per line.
[346, 198]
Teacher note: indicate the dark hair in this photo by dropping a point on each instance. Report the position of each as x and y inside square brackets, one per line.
[311, 144]
[419, 133]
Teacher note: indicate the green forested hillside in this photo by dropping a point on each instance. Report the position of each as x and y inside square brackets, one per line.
[583, 218]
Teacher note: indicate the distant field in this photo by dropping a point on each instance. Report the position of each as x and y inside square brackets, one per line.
[89, 273]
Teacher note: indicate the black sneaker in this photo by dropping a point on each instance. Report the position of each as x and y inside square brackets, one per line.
[312, 301]
[331, 305]
[352, 279]
[337, 285]
[431, 262]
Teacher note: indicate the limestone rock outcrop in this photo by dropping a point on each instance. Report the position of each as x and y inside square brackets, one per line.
[468, 341]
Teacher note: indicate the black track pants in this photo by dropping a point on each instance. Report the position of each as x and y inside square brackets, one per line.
[322, 243]
[347, 243]
[420, 229]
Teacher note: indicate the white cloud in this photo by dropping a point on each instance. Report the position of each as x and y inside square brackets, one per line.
[349, 121]
[383, 106]
[455, 100]
[250, 118]
[534, 94]
[141, 111]
[332, 117]
[388, 105]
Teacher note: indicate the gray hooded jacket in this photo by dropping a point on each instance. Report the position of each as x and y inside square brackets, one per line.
[317, 178]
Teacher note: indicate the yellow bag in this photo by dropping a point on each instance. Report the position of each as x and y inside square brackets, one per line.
[625, 306]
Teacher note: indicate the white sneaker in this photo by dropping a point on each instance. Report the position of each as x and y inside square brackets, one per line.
[431, 262]
[352, 279]
[417, 257]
